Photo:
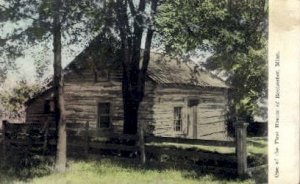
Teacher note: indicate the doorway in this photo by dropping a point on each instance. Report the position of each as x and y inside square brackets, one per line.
[193, 118]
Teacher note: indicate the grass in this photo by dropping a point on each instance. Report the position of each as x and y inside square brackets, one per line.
[115, 171]
[111, 172]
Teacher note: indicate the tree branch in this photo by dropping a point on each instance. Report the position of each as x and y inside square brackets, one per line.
[26, 16]
[132, 8]
[146, 55]
[142, 5]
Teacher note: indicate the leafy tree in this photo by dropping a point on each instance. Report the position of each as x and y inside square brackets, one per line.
[36, 21]
[233, 32]
[13, 100]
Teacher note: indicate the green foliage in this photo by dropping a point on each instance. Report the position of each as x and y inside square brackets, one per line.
[13, 99]
[234, 32]
[28, 23]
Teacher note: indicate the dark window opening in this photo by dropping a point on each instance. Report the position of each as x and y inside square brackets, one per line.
[193, 102]
[49, 106]
[101, 76]
[177, 119]
[103, 115]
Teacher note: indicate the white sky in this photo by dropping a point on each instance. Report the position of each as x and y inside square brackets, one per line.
[26, 67]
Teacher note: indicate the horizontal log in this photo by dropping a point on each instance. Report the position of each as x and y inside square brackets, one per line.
[150, 139]
[192, 154]
[75, 138]
[23, 142]
[100, 133]
[252, 169]
[75, 125]
[113, 147]
[118, 158]
[76, 144]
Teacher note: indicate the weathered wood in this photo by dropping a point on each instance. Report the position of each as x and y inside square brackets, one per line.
[83, 93]
[45, 145]
[210, 110]
[80, 144]
[106, 134]
[118, 147]
[241, 146]
[252, 169]
[191, 154]
[150, 139]
[141, 143]
[86, 148]
[75, 126]
[4, 151]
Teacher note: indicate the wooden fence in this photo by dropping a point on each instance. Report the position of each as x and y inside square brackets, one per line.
[87, 140]
[83, 136]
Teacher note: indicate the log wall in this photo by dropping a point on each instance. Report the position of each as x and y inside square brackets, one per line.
[211, 112]
[35, 111]
[83, 93]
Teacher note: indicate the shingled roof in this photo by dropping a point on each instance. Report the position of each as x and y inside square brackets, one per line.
[170, 72]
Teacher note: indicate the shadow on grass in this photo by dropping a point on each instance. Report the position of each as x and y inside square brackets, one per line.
[23, 167]
[187, 171]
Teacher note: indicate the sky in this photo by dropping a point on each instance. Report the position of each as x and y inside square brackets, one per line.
[26, 67]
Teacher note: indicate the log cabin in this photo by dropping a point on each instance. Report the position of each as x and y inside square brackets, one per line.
[181, 100]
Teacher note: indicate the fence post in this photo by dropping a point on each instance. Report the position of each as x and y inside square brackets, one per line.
[86, 149]
[141, 143]
[4, 122]
[45, 143]
[241, 146]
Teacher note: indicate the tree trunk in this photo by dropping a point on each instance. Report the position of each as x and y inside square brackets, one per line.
[133, 85]
[61, 156]
[130, 116]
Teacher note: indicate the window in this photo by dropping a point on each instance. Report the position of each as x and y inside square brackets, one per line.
[193, 102]
[177, 119]
[49, 106]
[103, 115]
[101, 76]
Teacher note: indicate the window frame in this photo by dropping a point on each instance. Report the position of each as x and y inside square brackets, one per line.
[109, 115]
[178, 118]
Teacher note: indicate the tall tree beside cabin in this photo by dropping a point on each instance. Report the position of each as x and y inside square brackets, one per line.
[134, 63]
[61, 153]
[41, 22]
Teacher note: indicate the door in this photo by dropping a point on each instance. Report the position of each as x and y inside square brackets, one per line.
[193, 118]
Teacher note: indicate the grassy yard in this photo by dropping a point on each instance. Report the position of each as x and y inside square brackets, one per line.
[111, 172]
[116, 171]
